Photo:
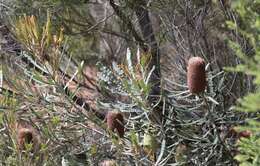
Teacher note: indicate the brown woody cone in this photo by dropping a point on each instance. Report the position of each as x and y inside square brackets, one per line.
[245, 134]
[26, 134]
[196, 75]
[115, 121]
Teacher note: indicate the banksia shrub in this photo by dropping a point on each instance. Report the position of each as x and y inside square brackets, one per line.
[115, 121]
[26, 134]
[196, 75]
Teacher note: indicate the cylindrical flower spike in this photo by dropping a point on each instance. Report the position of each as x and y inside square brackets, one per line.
[196, 75]
[115, 121]
[27, 135]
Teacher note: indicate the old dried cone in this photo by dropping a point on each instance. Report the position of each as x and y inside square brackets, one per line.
[26, 134]
[115, 122]
[196, 75]
[245, 134]
[240, 134]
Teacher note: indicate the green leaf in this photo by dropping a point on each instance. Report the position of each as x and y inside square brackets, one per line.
[241, 158]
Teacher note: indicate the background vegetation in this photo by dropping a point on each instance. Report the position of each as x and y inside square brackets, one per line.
[65, 64]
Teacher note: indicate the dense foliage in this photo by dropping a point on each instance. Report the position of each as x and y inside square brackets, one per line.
[129, 82]
[248, 26]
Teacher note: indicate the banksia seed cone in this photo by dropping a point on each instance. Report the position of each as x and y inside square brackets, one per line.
[244, 134]
[240, 134]
[115, 121]
[196, 75]
[26, 134]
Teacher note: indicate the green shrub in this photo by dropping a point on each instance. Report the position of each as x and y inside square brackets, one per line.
[248, 26]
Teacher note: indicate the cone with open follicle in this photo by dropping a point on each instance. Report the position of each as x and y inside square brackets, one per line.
[26, 134]
[196, 75]
[115, 122]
